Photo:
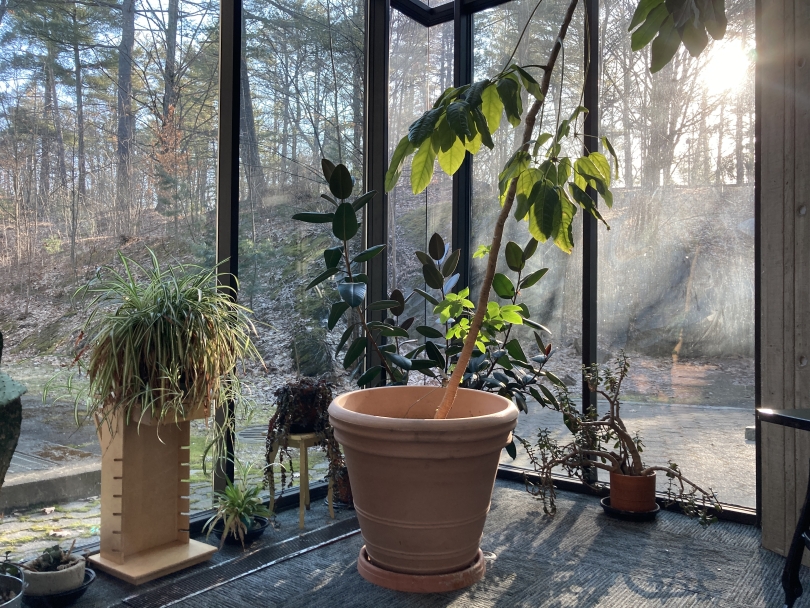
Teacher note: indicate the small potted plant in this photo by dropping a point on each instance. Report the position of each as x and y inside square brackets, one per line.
[55, 571]
[10, 417]
[604, 442]
[241, 516]
[12, 583]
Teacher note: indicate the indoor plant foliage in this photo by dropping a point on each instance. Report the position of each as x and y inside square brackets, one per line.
[10, 417]
[302, 407]
[240, 511]
[605, 442]
[160, 343]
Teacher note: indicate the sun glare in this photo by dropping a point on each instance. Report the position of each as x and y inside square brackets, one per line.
[727, 67]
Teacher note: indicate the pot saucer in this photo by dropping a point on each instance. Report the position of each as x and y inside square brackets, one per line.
[628, 515]
[421, 583]
[65, 598]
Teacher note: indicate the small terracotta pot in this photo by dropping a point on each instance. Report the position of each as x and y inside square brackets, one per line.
[47, 583]
[422, 487]
[632, 493]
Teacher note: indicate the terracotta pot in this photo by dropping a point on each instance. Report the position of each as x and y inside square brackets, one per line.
[632, 493]
[47, 583]
[421, 487]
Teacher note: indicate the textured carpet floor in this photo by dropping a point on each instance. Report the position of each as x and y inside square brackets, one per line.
[580, 558]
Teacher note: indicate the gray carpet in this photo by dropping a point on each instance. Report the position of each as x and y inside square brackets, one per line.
[580, 558]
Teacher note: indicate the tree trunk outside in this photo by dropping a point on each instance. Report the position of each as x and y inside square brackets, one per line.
[126, 118]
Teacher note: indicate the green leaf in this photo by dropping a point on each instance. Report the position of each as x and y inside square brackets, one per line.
[514, 257]
[422, 364]
[332, 256]
[429, 332]
[449, 266]
[343, 338]
[427, 297]
[512, 317]
[483, 128]
[326, 197]
[399, 360]
[642, 10]
[369, 375]
[422, 128]
[322, 277]
[436, 246]
[392, 332]
[398, 296]
[609, 147]
[492, 107]
[713, 17]
[525, 183]
[511, 449]
[314, 218]
[338, 308]
[434, 353]
[352, 293]
[327, 167]
[473, 96]
[581, 197]
[403, 149]
[451, 161]
[529, 249]
[365, 256]
[602, 165]
[541, 215]
[361, 201]
[532, 86]
[457, 118]
[340, 182]
[345, 224]
[544, 137]
[503, 286]
[664, 46]
[645, 34]
[694, 38]
[509, 92]
[515, 350]
[422, 167]
[549, 395]
[433, 277]
[383, 305]
[555, 380]
[563, 221]
[533, 278]
[354, 351]
[423, 257]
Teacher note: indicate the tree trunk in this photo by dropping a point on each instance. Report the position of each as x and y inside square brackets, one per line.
[78, 200]
[57, 119]
[125, 115]
[170, 72]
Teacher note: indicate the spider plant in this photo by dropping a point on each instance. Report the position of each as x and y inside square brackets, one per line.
[159, 342]
[237, 505]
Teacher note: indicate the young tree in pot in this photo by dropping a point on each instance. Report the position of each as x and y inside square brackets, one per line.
[10, 417]
[605, 442]
[241, 515]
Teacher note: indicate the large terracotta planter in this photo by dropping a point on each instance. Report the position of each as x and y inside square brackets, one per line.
[632, 493]
[422, 487]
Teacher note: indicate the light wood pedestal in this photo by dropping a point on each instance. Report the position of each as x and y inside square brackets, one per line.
[145, 502]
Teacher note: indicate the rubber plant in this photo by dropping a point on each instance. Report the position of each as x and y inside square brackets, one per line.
[10, 417]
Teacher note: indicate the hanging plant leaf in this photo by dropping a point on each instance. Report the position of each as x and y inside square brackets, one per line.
[352, 293]
[492, 107]
[450, 160]
[664, 46]
[403, 149]
[314, 218]
[423, 127]
[345, 224]
[328, 167]
[514, 257]
[515, 350]
[457, 119]
[422, 167]
[433, 278]
[338, 308]
[322, 277]
[436, 246]
[429, 332]
[398, 296]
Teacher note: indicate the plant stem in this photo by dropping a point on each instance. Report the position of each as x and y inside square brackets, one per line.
[464, 358]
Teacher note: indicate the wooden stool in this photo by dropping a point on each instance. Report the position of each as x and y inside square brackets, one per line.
[303, 442]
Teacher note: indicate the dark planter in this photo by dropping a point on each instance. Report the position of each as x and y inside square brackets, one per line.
[65, 598]
[15, 586]
[259, 526]
[632, 493]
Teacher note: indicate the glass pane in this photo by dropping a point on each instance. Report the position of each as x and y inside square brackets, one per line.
[302, 100]
[676, 270]
[421, 67]
[102, 151]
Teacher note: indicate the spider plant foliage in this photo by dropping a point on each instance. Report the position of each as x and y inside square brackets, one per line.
[550, 186]
[605, 442]
[160, 342]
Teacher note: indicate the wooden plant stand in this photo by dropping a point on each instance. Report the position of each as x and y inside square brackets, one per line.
[145, 501]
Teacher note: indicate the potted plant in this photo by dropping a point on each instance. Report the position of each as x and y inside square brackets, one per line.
[10, 417]
[55, 571]
[423, 462]
[301, 408]
[604, 442]
[241, 516]
[12, 583]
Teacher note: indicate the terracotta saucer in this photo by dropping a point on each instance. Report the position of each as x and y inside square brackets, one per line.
[421, 583]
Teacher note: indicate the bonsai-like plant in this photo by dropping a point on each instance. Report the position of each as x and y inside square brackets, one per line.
[10, 417]
[604, 442]
[160, 342]
[237, 506]
[301, 407]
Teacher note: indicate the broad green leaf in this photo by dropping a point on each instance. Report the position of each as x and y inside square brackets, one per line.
[563, 130]
[510, 316]
[587, 203]
[532, 86]
[399, 360]
[564, 238]
[541, 215]
[352, 293]
[483, 128]
[332, 256]
[433, 277]
[473, 145]
[642, 10]
[694, 38]
[529, 249]
[514, 257]
[457, 118]
[398, 296]
[436, 246]
[515, 351]
[429, 332]
[345, 224]
[503, 286]
[322, 277]
[383, 305]
[548, 170]
[389, 331]
[422, 127]
[423, 257]
[422, 167]
[511, 449]
[354, 351]
[525, 184]
[492, 107]
[369, 253]
[403, 149]
[361, 201]
[341, 183]
[427, 297]
[434, 353]
[338, 308]
[602, 165]
[327, 167]
[449, 266]
[645, 34]
[715, 17]
[473, 96]
[451, 161]
[609, 147]
[369, 375]
[344, 338]
[542, 139]
[314, 218]
[444, 136]
[516, 165]
[563, 170]
[422, 364]
[664, 46]
[509, 92]
[533, 278]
